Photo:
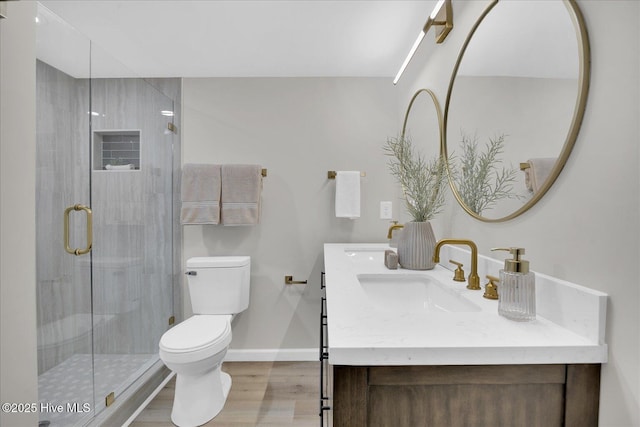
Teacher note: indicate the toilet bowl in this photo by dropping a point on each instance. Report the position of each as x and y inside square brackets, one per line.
[194, 350]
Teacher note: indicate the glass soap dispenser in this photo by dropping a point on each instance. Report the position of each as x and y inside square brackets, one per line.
[517, 288]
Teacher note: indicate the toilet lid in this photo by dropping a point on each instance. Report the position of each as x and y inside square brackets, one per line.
[195, 333]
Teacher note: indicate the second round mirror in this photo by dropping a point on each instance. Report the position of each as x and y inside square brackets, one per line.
[423, 123]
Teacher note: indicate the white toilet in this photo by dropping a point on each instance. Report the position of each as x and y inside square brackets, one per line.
[195, 348]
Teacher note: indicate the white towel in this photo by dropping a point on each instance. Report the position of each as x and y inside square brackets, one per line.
[130, 166]
[241, 189]
[348, 194]
[200, 194]
[538, 172]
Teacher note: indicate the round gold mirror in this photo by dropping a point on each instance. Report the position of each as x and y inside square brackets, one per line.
[417, 161]
[515, 104]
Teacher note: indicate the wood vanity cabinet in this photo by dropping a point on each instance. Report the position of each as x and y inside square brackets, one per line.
[465, 396]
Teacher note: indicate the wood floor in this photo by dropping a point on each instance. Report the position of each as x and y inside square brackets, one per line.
[262, 394]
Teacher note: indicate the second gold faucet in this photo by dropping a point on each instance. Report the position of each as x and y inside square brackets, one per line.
[394, 226]
[474, 279]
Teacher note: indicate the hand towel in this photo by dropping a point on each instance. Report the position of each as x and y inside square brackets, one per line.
[348, 194]
[241, 189]
[538, 172]
[200, 194]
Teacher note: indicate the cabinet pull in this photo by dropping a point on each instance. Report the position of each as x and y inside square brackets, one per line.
[324, 355]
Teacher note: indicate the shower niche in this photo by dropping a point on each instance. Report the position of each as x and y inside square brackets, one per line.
[116, 150]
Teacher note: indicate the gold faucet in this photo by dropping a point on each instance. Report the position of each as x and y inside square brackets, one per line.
[474, 279]
[395, 226]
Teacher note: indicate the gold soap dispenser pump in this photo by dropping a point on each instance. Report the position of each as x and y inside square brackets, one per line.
[517, 296]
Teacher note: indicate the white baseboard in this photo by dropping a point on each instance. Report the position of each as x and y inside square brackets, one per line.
[272, 355]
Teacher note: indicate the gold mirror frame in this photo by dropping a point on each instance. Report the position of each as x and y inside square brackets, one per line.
[438, 112]
[576, 121]
[436, 104]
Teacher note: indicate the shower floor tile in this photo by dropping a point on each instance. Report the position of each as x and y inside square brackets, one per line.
[66, 391]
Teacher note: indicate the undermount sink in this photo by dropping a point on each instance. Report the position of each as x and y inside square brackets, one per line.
[412, 293]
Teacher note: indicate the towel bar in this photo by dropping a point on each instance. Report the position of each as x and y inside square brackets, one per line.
[524, 165]
[332, 174]
[264, 172]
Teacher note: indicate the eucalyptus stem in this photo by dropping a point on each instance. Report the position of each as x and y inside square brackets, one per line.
[480, 180]
[423, 182]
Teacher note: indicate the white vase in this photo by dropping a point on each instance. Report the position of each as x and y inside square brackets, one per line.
[416, 246]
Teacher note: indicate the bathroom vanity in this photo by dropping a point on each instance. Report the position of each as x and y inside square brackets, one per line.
[414, 348]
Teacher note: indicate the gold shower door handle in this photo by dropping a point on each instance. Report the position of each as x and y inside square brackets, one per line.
[78, 251]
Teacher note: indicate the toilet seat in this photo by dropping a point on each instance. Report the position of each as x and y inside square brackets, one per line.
[197, 338]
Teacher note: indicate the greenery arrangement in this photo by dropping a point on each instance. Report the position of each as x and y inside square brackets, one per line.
[480, 180]
[422, 181]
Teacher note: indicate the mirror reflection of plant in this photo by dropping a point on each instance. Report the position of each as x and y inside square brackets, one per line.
[423, 182]
[480, 180]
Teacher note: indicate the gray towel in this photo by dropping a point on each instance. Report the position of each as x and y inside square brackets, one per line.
[241, 188]
[200, 194]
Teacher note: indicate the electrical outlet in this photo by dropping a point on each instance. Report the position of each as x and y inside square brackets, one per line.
[386, 210]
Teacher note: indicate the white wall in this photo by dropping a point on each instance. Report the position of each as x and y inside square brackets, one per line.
[586, 228]
[297, 128]
[18, 366]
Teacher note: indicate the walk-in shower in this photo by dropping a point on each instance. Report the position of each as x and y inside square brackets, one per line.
[107, 152]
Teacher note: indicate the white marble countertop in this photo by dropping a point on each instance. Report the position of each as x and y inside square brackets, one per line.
[569, 327]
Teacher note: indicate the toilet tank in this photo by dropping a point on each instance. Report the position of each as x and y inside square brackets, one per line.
[219, 285]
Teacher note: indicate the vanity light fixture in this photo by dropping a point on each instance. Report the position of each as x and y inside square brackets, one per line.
[442, 18]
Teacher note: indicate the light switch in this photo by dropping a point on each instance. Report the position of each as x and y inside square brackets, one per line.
[386, 210]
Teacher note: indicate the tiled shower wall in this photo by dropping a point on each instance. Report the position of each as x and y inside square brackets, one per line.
[134, 255]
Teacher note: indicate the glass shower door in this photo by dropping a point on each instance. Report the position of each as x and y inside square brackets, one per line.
[131, 194]
[105, 253]
[63, 263]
